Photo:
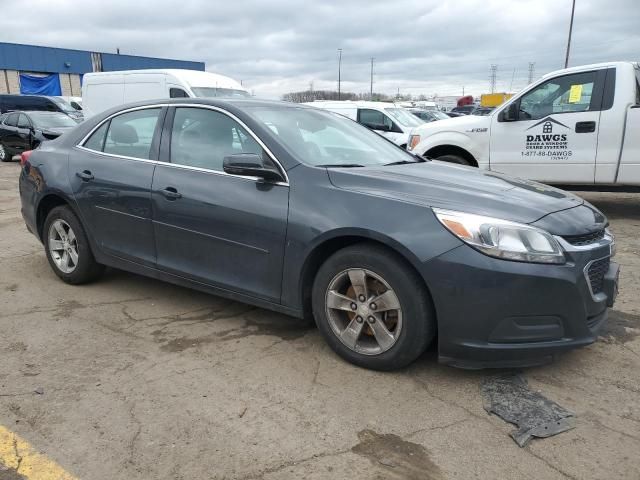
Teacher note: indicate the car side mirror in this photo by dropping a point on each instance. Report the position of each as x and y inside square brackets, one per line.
[250, 165]
[510, 114]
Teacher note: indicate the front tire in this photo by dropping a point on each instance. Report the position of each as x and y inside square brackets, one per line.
[372, 308]
[67, 248]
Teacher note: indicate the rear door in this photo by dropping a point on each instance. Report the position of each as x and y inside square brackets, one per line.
[24, 134]
[555, 136]
[111, 174]
[220, 229]
[9, 134]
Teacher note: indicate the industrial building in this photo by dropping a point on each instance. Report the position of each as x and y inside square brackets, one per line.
[30, 69]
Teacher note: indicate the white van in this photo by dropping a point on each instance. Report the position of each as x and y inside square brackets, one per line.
[387, 119]
[103, 90]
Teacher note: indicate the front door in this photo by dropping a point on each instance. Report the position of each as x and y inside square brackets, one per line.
[375, 119]
[554, 138]
[223, 230]
[111, 180]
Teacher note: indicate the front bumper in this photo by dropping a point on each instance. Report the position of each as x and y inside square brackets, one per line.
[497, 313]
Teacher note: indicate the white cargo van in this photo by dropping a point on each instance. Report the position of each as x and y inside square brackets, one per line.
[387, 119]
[103, 90]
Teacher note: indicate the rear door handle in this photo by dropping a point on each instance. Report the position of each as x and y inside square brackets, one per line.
[171, 193]
[585, 127]
[85, 175]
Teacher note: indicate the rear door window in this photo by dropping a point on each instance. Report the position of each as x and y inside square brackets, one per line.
[96, 140]
[23, 121]
[12, 120]
[127, 135]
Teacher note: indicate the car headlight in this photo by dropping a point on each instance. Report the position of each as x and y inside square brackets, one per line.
[414, 140]
[502, 238]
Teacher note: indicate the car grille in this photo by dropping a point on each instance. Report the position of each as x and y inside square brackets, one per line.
[586, 239]
[596, 273]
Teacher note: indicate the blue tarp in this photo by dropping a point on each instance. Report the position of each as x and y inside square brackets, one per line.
[49, 85]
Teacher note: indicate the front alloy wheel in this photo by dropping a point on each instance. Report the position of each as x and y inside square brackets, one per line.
[4, 156]
[363, 311]
[372, 307]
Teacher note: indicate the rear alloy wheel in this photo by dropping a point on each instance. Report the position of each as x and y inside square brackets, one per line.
[372, 308]
[67, 247]
[4, 155]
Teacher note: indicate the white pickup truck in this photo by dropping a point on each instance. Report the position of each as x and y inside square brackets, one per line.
[575, 126]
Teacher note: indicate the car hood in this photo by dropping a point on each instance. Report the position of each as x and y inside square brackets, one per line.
[454, 187]
[463, 123]
[56, 130]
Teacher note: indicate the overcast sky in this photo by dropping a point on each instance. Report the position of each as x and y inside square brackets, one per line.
[277, 46]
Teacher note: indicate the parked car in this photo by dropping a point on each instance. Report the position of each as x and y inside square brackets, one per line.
[307, 213]
[23, 131]
[38, 102]
[464, 110]
[104, 90]
[573, 126]
[454, 114]
[387, 119]
[75, 102]
[428, 115]
[482, 111]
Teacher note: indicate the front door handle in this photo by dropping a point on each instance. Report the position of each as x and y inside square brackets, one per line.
[585, 127]
[171, 193]
[85, 175]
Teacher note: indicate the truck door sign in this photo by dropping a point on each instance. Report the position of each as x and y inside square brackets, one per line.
[547, 138]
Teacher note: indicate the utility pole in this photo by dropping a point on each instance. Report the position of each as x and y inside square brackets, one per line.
[494, 72]
[463, 90]
[339, 69]
[371, 85]
[573, 9]
[531, 70]
[513, 76]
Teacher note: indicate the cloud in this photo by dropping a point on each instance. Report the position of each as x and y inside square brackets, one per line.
[419, 46]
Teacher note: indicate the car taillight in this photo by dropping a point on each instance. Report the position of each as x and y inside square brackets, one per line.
[24, 157]
[414, 140]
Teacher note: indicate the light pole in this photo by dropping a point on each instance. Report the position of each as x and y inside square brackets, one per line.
[371, 85]
[339, 68]
[573, 9]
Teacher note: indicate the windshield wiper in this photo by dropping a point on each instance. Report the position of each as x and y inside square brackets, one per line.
[401, 162]
[341, 165]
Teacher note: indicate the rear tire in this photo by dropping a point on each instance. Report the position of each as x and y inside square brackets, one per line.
[4, 154]
[370, 333]
[451, 158]
[67, 248]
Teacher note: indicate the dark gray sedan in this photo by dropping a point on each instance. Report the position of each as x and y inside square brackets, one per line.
[308, 213]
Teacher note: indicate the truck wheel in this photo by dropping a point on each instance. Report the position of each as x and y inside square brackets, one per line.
[67, 247]
[372, 308]
[454, 159]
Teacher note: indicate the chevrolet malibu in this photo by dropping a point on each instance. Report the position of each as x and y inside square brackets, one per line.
[307, 213]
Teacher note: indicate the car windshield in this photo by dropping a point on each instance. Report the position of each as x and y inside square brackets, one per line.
[404, 117]
[437, 115]
[321, 138]
[209, 92]
[64, 105]
[51, 120]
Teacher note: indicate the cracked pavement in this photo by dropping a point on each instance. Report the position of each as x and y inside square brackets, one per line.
[146, 380]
